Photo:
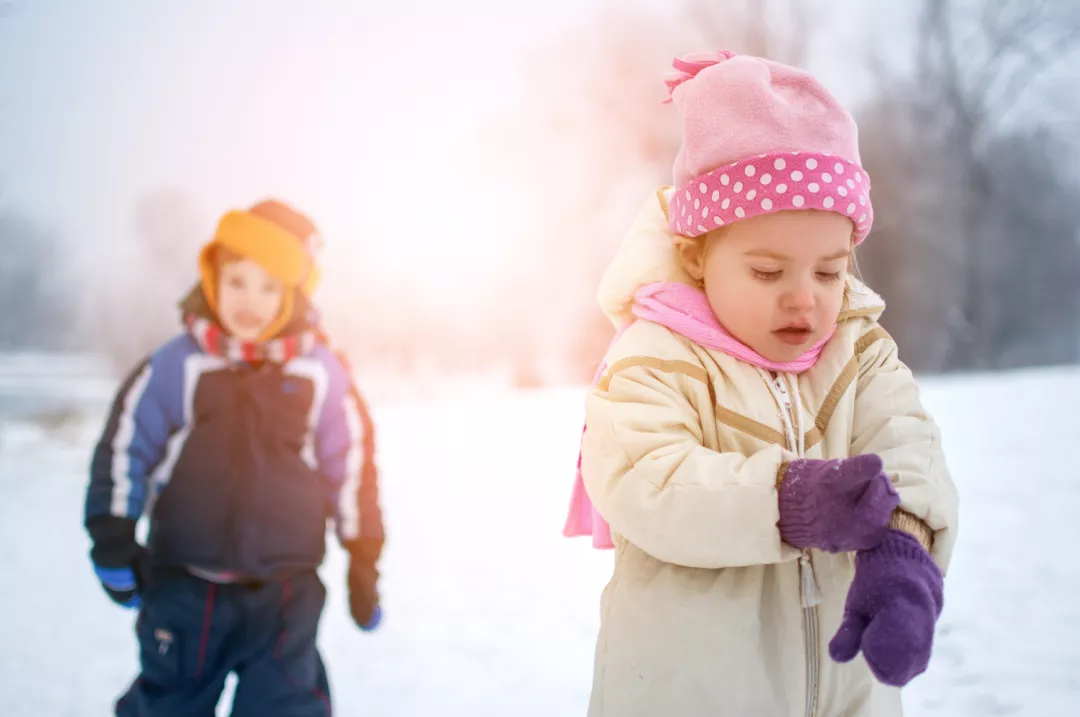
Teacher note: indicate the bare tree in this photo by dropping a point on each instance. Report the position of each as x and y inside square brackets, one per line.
[139, 290]
[1035, 222]
[911, 257]
[980, 66]
[34, 290]
[601, 141]
[169, 235]
[947, 147]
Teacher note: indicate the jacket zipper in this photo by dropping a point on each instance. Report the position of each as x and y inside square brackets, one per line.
[810, 595]
[810, 632]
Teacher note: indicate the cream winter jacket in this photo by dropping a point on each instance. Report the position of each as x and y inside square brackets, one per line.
[704, 613]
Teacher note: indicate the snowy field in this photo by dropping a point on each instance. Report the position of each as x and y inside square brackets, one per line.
[489, 610]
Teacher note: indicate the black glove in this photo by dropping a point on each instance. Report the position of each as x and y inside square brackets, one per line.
[363, 582]
[120, 563]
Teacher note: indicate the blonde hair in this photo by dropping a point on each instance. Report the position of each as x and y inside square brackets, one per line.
[702, 241]
[853, 264]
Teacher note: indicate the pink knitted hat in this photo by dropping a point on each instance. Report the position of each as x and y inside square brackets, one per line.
[761, 137]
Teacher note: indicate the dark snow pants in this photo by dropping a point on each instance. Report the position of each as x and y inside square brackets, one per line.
[192, 633]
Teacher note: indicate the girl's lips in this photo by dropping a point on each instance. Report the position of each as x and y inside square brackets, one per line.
[793, 336]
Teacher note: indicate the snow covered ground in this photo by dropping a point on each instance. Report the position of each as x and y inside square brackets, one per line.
[490, 611]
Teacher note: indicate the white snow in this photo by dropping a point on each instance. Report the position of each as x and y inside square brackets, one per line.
[491, 612]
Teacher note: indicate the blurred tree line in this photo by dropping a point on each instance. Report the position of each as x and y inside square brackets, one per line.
[969, 129]
[35, 293]
[970, 140]
[122, 304]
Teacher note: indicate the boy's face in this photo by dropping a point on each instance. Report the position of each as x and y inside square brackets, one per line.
[248, 299]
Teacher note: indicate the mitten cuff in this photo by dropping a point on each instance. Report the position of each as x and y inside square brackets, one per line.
[798, 505]
[898, 544]
[113, 538]
[118, 579]
[906, 522]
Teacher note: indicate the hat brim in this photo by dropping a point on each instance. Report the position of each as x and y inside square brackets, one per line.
[768, 183]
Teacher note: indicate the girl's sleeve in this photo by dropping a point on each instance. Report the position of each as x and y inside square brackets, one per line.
[648, 474]
[890, 421]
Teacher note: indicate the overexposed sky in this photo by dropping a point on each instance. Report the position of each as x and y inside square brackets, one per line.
[358, 115]
[367, 115]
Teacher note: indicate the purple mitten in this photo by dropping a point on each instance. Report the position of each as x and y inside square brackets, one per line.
[836, 506]
[891, 609]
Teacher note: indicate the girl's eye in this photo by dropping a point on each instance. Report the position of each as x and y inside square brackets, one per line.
[236, 283]
[766, 275]
[829, 276]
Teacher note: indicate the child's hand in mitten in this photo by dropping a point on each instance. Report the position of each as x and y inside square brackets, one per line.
[836, 505]
[363, 584]
[892, 606]
[119, 561]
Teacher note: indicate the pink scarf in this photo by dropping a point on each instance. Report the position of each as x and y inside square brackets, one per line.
[686, 311]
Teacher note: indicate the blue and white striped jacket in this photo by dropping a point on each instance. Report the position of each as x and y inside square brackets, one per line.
[238, 467]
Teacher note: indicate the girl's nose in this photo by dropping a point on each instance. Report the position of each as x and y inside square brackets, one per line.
[800, 297]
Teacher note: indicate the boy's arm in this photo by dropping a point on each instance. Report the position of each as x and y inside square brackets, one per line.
[650, 477]
[345, 448]
[891, 422]
[130, 447]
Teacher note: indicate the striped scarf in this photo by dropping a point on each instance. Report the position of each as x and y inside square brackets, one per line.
[213, 340]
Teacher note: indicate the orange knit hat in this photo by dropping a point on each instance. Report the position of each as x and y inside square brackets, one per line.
[279, 239]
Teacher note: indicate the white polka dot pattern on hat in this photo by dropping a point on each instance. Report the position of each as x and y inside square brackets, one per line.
[782, 181]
